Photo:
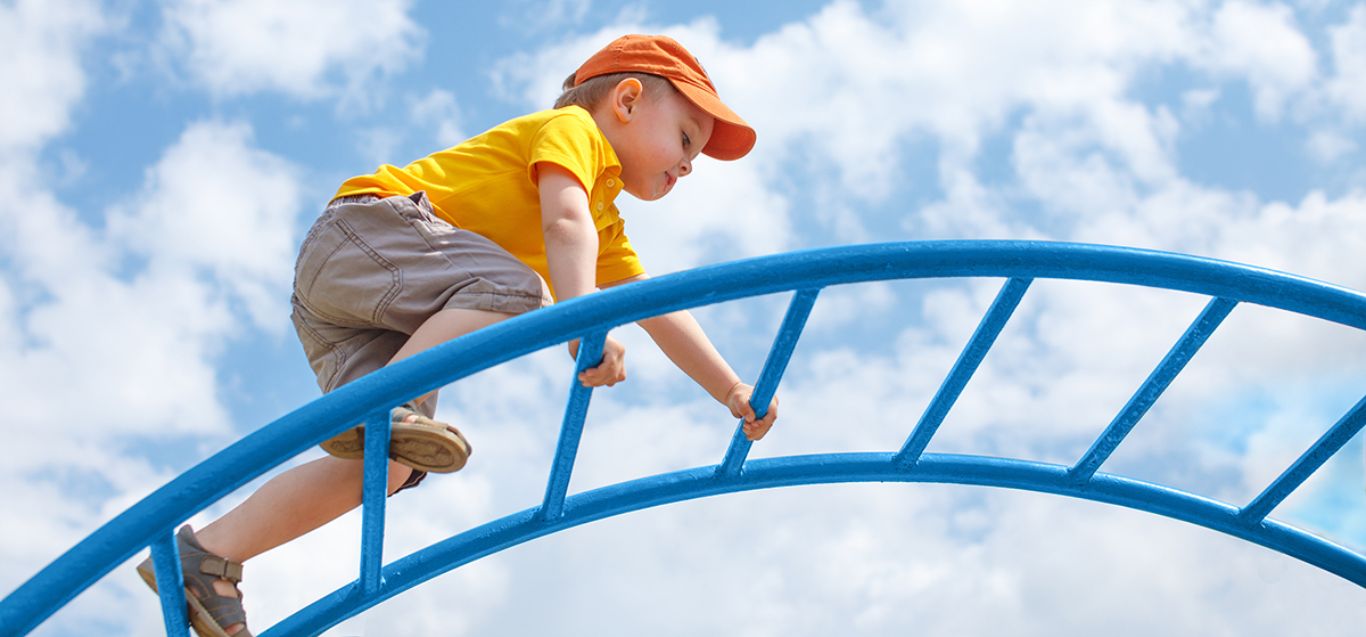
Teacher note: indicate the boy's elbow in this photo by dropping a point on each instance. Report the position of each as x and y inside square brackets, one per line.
[567, 230]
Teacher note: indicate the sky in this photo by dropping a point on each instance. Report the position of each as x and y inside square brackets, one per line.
[160, 162]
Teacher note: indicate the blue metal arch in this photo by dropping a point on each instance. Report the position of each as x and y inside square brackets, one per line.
[151, 521]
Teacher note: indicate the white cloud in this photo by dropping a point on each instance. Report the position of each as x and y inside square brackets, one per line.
[1262, 43]
[880, 78]
[40, 48]
[132, 316]
[115, 333]
[853, 85]
[306, 49]
[968, 209]
[215, 202]
[1348, 86]
[720, 211]
[543, 16]
[439, 110]
[1328, 146]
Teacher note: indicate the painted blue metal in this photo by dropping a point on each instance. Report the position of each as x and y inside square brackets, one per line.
[772, 374]
[571, 430]
[766, 473]
[374, 492]
[1307, 464]
[166, 561]
[982, 339]
[1157, 382]
[148, 520]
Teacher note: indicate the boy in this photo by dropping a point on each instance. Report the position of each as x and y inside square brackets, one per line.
[407, 258]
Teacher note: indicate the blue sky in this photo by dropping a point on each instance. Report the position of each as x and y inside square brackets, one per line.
[162, 160]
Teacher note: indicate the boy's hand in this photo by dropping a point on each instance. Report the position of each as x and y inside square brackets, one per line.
[737, 399]
[610, 371]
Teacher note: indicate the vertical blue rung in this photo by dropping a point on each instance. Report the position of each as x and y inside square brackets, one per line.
[971, 357]
[774, 367]
[1330, 443]
[571, 430]
[1147, 394]
[166, 561]
[374, 492]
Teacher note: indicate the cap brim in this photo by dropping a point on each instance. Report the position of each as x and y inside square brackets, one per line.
[731, 138]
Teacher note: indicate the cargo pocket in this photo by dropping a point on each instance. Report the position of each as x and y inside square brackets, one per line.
[342, 279]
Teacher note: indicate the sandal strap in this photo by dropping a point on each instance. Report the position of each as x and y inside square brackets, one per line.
[407, 409]
[201, 569]
[225, 610]
[221, 568]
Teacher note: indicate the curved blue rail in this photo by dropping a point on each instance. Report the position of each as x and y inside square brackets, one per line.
[151, 521]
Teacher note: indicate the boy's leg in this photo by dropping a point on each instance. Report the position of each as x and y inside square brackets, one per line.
[314, 494]
[352, 318]
[444, 326]
[322, 490]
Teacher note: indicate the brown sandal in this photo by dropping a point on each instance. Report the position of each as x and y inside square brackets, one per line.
[209, 612]
[415, 441]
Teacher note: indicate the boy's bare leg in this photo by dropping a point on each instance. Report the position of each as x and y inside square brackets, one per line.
[444, 326]
[320, 491]
[314, 494]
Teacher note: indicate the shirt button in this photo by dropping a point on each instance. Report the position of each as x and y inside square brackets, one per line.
[611, 182]
[599, 206]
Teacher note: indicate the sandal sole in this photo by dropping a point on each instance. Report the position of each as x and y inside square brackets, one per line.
[415, 445]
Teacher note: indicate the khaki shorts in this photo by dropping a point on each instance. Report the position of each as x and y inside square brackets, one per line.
[372, 270]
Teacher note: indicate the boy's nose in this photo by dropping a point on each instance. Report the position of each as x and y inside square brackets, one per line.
[685, 168]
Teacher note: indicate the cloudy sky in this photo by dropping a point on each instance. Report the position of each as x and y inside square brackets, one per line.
[160, 161]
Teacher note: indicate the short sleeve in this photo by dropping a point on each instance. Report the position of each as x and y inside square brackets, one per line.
[617, 260]
[571, 141]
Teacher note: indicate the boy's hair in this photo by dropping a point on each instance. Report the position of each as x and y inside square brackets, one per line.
[594, 89]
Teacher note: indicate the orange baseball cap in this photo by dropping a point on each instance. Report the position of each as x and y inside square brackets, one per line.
[732, 138]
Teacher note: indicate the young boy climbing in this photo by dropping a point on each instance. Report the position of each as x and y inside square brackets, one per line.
[404, 259]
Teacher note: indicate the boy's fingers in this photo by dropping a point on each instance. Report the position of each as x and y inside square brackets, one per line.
[755, 430]
[771, 416]
[602, 375]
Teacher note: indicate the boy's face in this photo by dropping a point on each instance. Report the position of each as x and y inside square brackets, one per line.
[657, 140]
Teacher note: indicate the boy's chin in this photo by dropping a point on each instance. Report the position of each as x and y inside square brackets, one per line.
[646, 196]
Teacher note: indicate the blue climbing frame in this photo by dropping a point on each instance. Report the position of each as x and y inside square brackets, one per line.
[152, 521]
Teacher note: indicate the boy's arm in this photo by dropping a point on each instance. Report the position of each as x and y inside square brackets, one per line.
[681, 338]
[571, 240]
[571, 251]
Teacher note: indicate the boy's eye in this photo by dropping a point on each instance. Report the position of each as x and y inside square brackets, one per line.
[687, 141]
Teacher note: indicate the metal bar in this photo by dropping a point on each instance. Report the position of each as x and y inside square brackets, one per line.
[1306, 465]
[374, 492]
[774, 367]
[1158, 381]
[129, 532]
[166, 561]
[841, 468]
[575, 410]
[971, 357]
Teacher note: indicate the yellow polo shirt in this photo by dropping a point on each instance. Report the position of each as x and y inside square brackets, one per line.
[488, 185]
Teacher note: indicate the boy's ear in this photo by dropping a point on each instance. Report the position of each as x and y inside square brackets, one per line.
[626, 97]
